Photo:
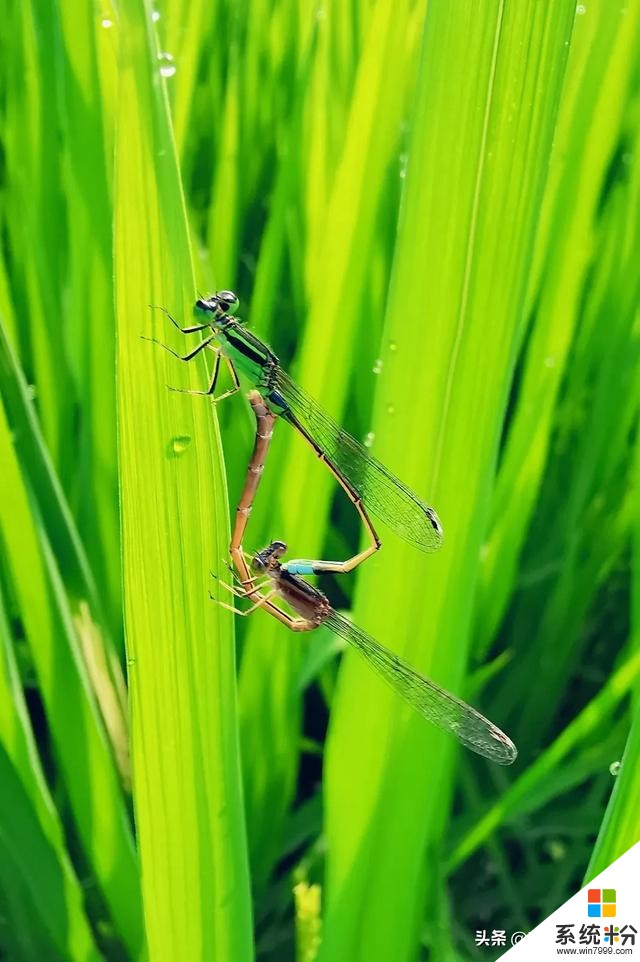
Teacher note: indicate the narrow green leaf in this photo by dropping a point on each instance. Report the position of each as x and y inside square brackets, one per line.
[187, 789]
[270, 665]
[81, 748]
[34, 857]
[470, 212]
[600, 66]
[88, 297]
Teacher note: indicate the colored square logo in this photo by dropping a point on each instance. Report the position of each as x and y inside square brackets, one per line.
[608, 895]
[593, 895]
[594, 911]
[609, 910]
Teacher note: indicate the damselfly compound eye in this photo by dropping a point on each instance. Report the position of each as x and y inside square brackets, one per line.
[228, 301]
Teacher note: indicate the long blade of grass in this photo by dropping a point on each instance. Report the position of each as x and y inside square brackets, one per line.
[31, 837]
[46, 487]
[57, 519]
[594, 100]
[187, 789]
[593, 460]
[82, 750]
[269, 697]
[470, 213]
[620, 829]
[88, 334]
[36, 213]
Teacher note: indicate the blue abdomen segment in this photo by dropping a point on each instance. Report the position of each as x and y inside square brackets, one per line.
[276, 402]
[299, 567]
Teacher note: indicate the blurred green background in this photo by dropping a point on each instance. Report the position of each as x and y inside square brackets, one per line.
[431, 211]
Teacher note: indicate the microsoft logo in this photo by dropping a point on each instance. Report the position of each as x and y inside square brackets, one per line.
[601, 903]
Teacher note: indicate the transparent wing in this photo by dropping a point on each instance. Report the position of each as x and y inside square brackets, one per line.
[381, 493]
[434, 703]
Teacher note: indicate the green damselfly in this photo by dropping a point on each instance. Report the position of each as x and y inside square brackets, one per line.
[368, 484]
[267, 577]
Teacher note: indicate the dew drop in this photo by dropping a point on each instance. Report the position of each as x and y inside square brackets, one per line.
[614, 768]
[369, 439]
[106, 23]
[393, 346]
[178, 445]
[377, 367]
[390, 409]
[167, 64]
[155, 15]
[580, 10]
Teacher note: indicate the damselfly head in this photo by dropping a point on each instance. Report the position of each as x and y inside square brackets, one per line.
[269, 558]
[219, 308]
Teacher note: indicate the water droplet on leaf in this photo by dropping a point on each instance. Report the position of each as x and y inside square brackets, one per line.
[167, 64]
[178, 445]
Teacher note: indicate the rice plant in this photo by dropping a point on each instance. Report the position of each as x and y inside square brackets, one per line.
[431, 212]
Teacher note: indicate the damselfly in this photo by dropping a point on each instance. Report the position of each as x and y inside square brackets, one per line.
[267, 578]
[366, 481]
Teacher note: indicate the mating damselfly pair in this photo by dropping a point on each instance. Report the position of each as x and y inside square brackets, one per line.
[370, 487]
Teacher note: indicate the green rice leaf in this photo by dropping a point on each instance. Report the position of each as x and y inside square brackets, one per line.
[187, 792]
[471, 208]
